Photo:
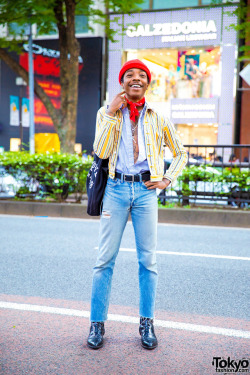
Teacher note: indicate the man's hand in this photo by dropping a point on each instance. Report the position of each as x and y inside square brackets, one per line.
[116, 103]
[158, 184]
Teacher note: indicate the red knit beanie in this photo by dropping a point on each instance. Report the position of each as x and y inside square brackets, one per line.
[134, 64]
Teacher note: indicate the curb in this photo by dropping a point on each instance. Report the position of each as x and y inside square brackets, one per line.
[196, 216]
[191, 216]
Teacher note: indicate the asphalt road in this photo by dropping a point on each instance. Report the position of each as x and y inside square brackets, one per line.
[203, 281]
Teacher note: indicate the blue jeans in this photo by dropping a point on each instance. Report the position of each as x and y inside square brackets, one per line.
[120, 199]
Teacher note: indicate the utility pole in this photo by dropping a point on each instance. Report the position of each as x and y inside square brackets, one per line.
[31, 95]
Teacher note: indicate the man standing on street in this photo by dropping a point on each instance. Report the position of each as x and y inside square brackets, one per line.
[132, 135]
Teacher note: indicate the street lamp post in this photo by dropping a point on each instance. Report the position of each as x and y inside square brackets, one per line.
[21, 83]
[31, 95]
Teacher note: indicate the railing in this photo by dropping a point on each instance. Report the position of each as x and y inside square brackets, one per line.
[214, 175]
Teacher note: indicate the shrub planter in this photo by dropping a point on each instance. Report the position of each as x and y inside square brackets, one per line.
[192, 216]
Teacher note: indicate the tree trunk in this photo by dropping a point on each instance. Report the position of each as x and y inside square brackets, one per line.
[69, 54]
[64, 119]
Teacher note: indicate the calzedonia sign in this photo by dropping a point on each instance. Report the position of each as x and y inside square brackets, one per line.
[196, 110]
[176, 31]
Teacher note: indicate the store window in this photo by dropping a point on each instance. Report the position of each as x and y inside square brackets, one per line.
[183, 74]
[208, 2]
[147, 4]
[163, 4]
[198, 134]
[53, 31]
[15, 28]
[179, 73]
[81, 26]
[15, 144]
[171, 4]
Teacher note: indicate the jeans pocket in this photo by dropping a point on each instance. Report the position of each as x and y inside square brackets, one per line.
[112, 182]
[143, 184]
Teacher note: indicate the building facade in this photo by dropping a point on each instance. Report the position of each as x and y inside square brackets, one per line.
[190, 51]
[14, 93]
[192, 56]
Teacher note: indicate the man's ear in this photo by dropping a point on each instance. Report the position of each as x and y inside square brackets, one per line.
[122, 85]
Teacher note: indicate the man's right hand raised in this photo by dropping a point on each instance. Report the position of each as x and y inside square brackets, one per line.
[118, 101]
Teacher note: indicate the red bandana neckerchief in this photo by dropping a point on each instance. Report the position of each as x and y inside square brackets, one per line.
[133, 108]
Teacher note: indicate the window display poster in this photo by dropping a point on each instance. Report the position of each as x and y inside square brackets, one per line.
[47, 74]
[192, 66]
[14, 110]
[191, 71]
[25, 112]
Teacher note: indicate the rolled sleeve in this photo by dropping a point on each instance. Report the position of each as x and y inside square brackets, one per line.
[104, 137]
[175, 145]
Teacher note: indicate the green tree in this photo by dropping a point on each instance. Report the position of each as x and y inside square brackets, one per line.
[59, 14]
[242, 12]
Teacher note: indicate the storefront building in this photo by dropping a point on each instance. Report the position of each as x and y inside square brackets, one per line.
[14, 96]
[192, 56]
[14, 93]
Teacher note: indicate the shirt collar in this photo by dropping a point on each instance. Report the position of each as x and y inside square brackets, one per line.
[146, 106]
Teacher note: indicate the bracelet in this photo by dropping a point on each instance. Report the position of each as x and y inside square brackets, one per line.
[107, 110]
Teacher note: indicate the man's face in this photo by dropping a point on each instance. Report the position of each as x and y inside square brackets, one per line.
[135, 83]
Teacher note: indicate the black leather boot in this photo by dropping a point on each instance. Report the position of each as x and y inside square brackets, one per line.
[146, 329]
[95, 339]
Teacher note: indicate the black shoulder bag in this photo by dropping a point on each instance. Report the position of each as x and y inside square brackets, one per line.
[96, 183]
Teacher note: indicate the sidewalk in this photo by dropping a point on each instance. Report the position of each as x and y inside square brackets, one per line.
[38, 343]
[191, 216]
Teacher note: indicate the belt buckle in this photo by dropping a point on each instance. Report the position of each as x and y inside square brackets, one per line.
[133, 177]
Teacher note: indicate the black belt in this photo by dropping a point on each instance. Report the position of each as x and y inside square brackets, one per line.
[145, 176]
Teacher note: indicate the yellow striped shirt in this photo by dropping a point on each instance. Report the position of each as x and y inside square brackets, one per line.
[158, 131]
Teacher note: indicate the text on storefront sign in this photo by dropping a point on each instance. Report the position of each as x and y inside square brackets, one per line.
[176, 30]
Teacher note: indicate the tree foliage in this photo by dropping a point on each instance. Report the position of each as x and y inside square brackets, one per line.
[17, 14]
[242, 12]
[48, 16]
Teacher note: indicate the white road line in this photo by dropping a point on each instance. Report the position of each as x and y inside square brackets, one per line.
[97, 220]
[189, 254]
[202, 226]
[128, 319]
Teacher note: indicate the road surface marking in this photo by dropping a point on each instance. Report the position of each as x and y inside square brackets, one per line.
[189, 254]
[128, 319]
[97, 220]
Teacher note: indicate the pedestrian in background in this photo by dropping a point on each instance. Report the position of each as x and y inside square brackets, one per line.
[132, 135]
